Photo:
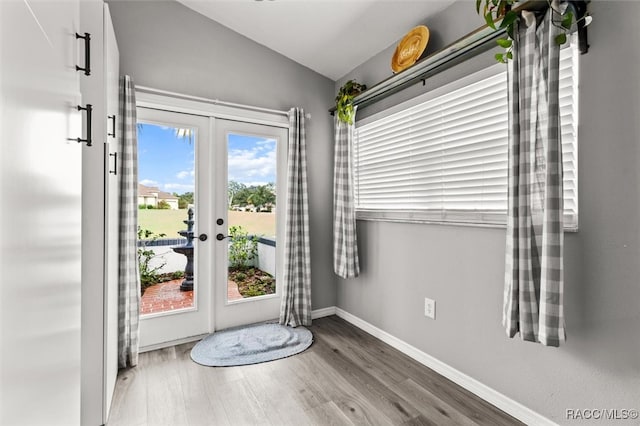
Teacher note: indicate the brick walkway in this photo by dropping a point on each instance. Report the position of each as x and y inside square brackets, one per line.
[232, 291]
[167, 296]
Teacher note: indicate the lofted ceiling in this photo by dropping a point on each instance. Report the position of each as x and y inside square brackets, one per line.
[331, 37]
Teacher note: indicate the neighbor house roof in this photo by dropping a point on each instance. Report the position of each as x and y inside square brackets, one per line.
[150, 191]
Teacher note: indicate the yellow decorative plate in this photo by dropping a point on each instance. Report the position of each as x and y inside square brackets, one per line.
[410, 48]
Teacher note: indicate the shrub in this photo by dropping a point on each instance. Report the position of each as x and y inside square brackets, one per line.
[243, 248]
[150, 207]
[148, 275]
[177, 275]
[163, 205]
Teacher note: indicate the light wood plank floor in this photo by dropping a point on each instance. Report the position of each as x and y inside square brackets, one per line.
[346, 377]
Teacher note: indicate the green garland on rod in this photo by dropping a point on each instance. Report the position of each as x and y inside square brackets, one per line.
[344, 100]
[495, 10]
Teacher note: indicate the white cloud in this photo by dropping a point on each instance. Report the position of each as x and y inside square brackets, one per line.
[252, 165]
[149, 182]
[186, 173]
[257, 183]
[178, 187]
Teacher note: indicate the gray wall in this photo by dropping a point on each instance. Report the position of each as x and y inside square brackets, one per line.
[167, 46]
[462, 267]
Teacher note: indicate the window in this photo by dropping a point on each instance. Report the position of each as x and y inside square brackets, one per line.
[444, 158]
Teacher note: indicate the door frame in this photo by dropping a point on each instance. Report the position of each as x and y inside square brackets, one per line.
[170, 101]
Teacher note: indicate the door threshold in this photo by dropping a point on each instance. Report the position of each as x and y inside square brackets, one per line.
[172, 343]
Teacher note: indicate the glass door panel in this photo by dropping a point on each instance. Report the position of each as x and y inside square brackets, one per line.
[251, 188]
[250, 206]
[173, 209]
[166, 175]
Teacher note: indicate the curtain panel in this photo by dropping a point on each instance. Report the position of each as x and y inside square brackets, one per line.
[345, 245]
[533, 296]
[129, 275]
[295, 308]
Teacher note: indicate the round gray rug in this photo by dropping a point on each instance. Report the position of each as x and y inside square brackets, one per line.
[250, 344]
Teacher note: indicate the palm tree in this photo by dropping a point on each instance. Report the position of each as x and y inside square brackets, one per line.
[260, 196]
[187, 134]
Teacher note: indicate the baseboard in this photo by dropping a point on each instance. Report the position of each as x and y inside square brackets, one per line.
[490, 395]
[324, 312]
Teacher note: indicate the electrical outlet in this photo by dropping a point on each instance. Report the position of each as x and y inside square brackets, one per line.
[429, 308]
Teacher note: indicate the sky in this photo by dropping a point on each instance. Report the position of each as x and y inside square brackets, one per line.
[167, 161]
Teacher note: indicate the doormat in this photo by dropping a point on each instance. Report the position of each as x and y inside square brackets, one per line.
[251, 344]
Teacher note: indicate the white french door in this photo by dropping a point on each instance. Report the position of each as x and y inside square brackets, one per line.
[250, 188]
[175, 157]
[239, 186]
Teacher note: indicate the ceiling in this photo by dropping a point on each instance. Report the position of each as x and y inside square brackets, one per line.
[331, 37]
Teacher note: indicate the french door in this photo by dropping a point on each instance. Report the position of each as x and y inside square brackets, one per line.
[250, 182]
[218, 187]
[174, 218]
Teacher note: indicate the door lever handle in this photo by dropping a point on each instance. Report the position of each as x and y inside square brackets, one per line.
[203, 237]
[221, 237]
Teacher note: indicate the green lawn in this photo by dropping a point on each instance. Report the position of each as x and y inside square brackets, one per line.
[169, 222]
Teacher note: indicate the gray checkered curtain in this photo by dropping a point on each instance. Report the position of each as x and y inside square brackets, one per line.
[534, 267]
[295, 308]
[345, 245]
[129, 276]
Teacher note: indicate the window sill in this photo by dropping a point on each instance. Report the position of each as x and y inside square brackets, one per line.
[477, 219]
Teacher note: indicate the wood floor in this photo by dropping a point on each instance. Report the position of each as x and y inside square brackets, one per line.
[346, 377]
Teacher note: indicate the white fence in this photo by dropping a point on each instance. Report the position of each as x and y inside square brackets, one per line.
[173, 261]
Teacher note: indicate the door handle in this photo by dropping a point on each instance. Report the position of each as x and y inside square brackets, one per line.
[115, 163]
[88, 109]
[221, 237]
[87, 53]
[203, 237]
[113, 125]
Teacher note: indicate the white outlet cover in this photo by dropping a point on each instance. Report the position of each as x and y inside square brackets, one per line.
[429, 308]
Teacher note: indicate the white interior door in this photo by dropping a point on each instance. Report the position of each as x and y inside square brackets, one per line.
[248, 157]
[174, 156]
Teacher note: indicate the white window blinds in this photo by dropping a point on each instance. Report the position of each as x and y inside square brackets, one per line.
[445, 159]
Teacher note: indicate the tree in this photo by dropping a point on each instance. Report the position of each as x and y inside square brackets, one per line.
[182, 133]
[184, 200]
[233, 189]
[261, 195]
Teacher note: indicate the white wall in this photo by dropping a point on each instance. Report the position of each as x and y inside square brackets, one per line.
[167, 46]
[267, 258]
[462, 268]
